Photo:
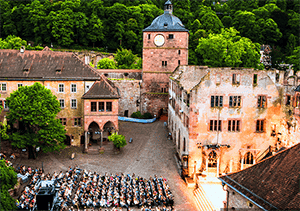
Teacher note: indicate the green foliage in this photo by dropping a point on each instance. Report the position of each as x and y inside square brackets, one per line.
[137, 115]
[12, 42]
[91, 64]
[35, 108]
[228, 50]
[127, 60]
[295, 59]
[118, 140]
[106, 63]
[8, 179]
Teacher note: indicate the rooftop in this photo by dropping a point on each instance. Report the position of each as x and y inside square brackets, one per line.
[272, 183]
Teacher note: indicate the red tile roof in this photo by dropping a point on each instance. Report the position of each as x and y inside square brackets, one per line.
[44, 65]
[102, 89]
[272, 183]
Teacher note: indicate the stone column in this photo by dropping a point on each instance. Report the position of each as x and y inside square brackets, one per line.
[85, 140]
[101, 134]
[218, 165]
[242, 163]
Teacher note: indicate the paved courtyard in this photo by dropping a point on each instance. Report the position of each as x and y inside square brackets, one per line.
[149, 154]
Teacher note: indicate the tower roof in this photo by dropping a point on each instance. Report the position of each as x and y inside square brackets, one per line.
[166, 21]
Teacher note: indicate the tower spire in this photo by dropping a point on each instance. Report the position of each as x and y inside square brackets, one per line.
[168, 7]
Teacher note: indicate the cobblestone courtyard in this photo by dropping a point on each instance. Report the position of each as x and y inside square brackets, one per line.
[149, 154]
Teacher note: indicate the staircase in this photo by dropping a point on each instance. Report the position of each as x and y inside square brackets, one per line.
[94, 149]
[204, 204]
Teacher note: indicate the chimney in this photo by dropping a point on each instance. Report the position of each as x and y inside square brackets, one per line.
[22, 49]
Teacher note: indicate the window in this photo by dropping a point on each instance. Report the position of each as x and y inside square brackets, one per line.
[61, 88]
[218, 78]
[19, 85]
[63, 121]
[179, 52]
[171, 36]
[235, 79]
[93, 106]
[234, 101]
[216, 101]
[3, 87]
[73, 103]
[288, 100]
[260, 126]
[254, 79]
[149, 36]
[215, 125]
[101, 106]
[164, 63]
[178, 62]
[248, 158]
[277, 77]
[77, 121]
[5, 106]
[62, 103]
[234, 125]
[262, 101]
[73, 88]
[109, 106]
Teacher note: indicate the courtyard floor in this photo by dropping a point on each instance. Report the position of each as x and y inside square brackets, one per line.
[149, 154]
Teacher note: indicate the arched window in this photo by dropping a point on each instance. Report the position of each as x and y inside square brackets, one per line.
[248, 158]
[212, 159]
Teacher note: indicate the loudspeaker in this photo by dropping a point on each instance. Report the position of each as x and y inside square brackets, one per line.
[44, 199]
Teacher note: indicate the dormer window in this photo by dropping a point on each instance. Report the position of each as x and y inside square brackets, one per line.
[165, 25]
[59, 68]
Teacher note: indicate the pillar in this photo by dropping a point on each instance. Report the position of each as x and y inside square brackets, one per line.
[85, 140]
[101, 134]
[242, 166]
[218, 165]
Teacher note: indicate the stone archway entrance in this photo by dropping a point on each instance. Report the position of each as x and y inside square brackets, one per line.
[212, 164]
[94, 133]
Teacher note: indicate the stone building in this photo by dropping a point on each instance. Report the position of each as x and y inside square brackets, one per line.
[272, 184]
[165, 46]
[227, 119]
[76, 85]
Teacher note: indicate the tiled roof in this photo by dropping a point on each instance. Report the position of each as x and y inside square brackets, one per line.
[166, 22]
[297, 89]
[44, 64]
[272, 183]
[189, 76]
[102, 89]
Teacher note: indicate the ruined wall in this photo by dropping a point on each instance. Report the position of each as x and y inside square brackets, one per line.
[201, 114]
[130, 93]
[155, 104]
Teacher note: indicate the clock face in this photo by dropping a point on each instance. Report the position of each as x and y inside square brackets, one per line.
[159, 40]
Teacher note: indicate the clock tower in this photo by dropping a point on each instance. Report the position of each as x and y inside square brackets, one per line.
[165, 47]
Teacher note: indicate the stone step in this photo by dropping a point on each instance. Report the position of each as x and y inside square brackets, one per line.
[203, 202]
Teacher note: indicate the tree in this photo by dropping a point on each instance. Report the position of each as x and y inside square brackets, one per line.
[228, 50]
[126, 59]
[118, 140]
[294, 59]
[8, 179]
[35, 108]
[12, 42]
[106, 63]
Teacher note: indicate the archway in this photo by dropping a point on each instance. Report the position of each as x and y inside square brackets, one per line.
[108, 129]
[67, 140]
[212, 164]
[94, 132]
[82, 138]
[249, 158]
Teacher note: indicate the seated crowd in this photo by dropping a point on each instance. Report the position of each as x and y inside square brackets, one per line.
[85, 189]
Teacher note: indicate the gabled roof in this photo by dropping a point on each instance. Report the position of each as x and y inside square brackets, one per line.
[102, 89]
[44, 64]
[272, 183]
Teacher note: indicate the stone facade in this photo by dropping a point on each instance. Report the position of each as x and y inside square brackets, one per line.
[236, 201]
[236, 130]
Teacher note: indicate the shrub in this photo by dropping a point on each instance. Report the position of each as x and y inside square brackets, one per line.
[147, 116]
[136, 115]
